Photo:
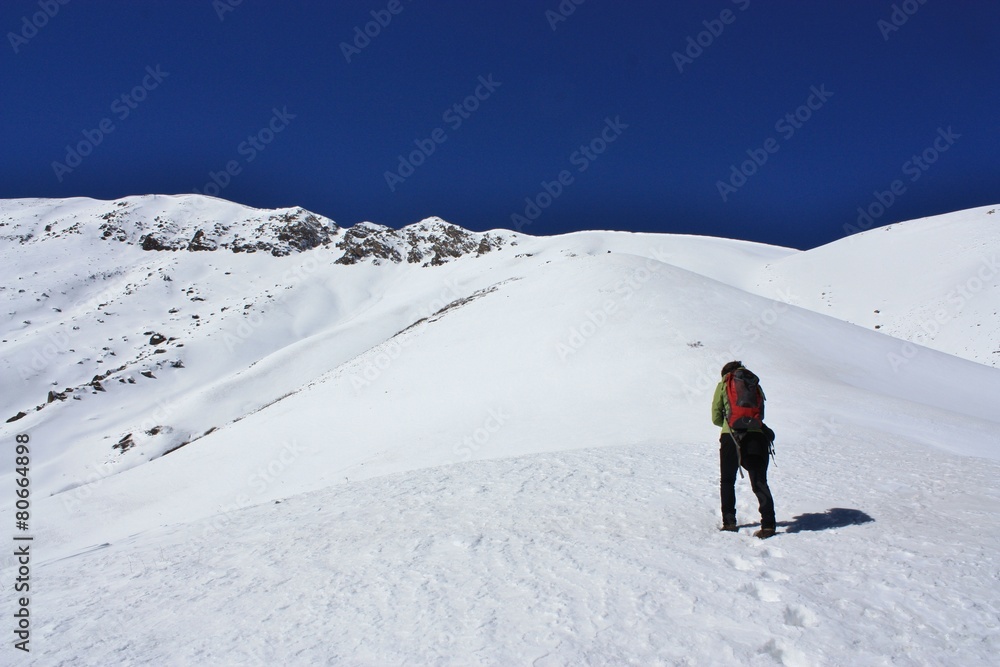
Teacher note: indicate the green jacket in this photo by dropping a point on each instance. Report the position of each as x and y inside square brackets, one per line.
[720, 407]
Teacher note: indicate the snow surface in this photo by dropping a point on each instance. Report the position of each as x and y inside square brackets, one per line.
[948, 300]
[507, 459]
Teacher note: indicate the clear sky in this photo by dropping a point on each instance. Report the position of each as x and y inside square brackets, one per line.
[770, 121]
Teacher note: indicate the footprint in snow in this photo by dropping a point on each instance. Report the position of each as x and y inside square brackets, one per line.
[787, 655]
[741, 564]
[801, 617]
[772, 552]
[763, 592]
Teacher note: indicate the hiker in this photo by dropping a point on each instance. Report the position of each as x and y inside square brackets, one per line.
[738, 407]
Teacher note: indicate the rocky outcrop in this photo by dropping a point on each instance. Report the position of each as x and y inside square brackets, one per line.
[280, 234]
[367, 240]
[430, 243]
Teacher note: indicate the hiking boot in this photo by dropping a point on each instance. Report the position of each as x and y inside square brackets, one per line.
[764, 533]
[729, 523]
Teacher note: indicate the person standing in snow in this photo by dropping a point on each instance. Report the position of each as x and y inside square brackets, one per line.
[747, 447]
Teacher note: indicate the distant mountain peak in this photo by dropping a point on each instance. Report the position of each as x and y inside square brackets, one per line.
[430, 242]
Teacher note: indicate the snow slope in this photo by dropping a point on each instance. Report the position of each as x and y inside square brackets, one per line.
[597, 556]
[948, 301]
[502, 459]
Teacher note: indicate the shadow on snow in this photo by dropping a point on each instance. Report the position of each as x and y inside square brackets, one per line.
[837, 517]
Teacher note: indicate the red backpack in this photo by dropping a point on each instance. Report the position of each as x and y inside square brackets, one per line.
[746, 401]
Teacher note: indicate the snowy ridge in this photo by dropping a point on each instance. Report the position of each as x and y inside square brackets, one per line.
[168, 222]
[202, 224]
[500, 457]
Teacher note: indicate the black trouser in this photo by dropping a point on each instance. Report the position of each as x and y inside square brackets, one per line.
[754, 454]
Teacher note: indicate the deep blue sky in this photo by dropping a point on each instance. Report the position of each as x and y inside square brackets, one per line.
[224, 77]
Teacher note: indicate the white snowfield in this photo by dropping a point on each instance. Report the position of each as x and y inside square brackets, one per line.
[506, 459]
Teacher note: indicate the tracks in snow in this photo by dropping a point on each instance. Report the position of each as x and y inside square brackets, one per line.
[609, 555]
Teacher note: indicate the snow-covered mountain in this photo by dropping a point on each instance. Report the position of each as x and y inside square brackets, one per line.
[930, 281]
[430, 445]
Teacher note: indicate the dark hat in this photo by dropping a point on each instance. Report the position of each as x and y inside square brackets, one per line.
[730, 367]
